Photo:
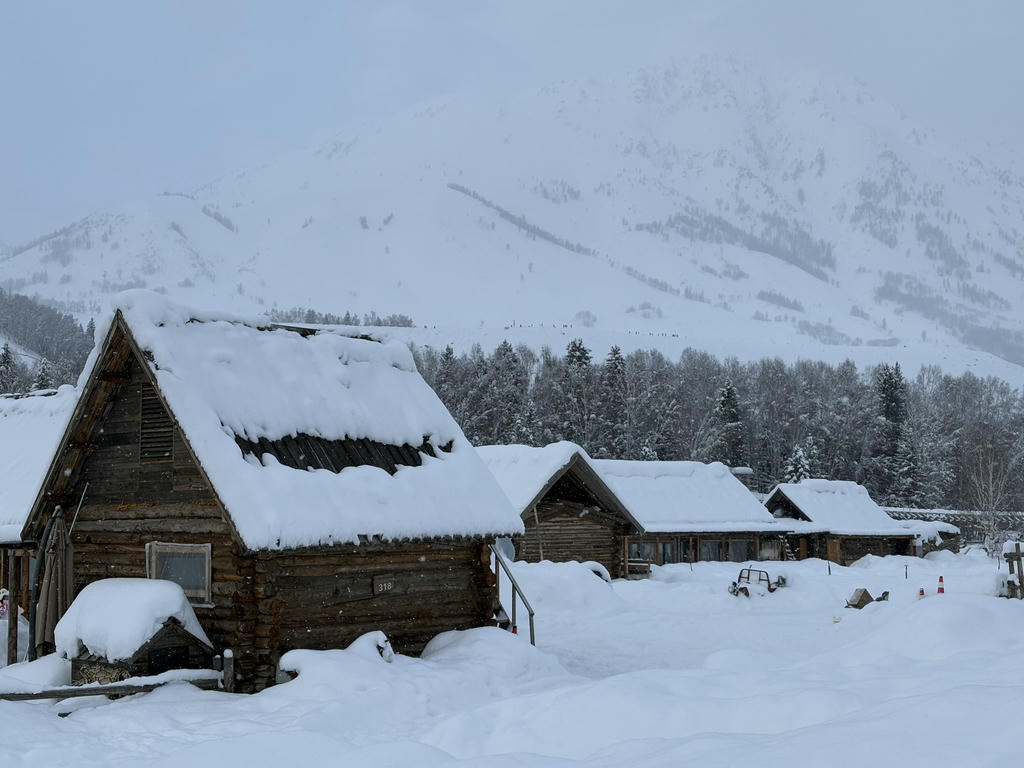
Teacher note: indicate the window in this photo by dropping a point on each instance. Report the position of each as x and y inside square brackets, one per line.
[667, 552]
[641, 550]
[187, 565]
[770, 550]
[740, 550]
[710, 549]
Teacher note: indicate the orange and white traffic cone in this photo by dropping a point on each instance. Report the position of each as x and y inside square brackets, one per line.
[920, 593]
[942, 587]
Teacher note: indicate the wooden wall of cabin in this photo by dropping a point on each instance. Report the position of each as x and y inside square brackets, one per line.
[561, 531]
[144, 486]
[844, 550]
[853, 548]
[326, 597]
[808, 545]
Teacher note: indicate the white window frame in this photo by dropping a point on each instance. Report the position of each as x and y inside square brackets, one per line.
[154, 549]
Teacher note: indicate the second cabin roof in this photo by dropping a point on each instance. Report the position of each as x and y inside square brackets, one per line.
[686, 497]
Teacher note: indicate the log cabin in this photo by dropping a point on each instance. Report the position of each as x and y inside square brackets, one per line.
[304, 486]
[838, 520]
[689, 512]
[568, 511]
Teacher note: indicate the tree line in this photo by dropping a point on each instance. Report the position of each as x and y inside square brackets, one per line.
[931, 441]
[57, 344]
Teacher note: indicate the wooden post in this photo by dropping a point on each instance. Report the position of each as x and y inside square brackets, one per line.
[1020, 571]
[25, 596]
[540, 539]
[228, 672]
[12, 604]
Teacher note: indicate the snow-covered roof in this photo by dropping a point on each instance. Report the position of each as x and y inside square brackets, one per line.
[524, 471]
[224, 377]
[113, 618]
[30, 430]
[839, 506]
[686, 496]
[928, 530]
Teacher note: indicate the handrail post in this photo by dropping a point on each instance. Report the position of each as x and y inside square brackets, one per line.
[517, 592]
[514, 625]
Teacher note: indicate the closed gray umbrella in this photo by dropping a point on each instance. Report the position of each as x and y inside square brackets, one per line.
[56, 591]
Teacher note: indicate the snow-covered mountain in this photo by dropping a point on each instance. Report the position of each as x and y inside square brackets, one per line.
[745, 211]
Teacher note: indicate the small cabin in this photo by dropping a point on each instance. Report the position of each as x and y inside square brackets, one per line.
[568, 511]
[689, 511]
[837, 520]
[302, 485]
[117, 629]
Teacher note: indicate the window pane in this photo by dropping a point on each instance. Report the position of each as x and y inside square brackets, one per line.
[668, 552]
[710, 549]
[187, 569]
[739, 550]
[771, 550]
[640, 550]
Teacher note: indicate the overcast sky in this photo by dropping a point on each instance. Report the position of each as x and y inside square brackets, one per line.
[106, 101]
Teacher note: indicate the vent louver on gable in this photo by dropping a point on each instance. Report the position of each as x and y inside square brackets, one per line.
[156, 431]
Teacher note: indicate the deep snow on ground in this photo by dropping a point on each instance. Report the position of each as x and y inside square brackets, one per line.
[668, 671]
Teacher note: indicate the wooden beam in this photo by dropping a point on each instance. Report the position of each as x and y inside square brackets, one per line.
[12, 604]
[116, 689]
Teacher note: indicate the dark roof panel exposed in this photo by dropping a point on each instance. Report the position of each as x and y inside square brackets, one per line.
[311, 452]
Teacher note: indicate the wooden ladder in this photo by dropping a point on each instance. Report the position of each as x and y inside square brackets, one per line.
[787, 549]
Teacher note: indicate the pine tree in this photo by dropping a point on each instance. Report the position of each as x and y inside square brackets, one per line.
[43, 376]
[448, 386]
[613, 408]
[8, 370]
[881, 471]
[505, 386]
[798, 466]
[577, 395]
[728, 447]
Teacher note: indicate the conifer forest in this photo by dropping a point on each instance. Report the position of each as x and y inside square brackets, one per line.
[925, 440]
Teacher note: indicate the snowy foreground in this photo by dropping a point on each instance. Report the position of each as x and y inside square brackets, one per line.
[664, 672]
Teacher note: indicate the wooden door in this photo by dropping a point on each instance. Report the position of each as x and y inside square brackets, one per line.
[834, 551]
[803, 548]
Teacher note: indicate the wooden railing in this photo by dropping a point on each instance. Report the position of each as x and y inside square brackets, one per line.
[517, 592]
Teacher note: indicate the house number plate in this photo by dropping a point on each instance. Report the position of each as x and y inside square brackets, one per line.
[382, 585]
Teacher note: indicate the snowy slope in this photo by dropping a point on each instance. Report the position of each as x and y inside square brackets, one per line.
[707, 203]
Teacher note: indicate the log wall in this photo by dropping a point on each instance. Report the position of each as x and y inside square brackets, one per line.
[561, 532]
[326, 597]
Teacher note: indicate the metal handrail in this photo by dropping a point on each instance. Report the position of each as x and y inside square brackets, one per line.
[516, 590]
